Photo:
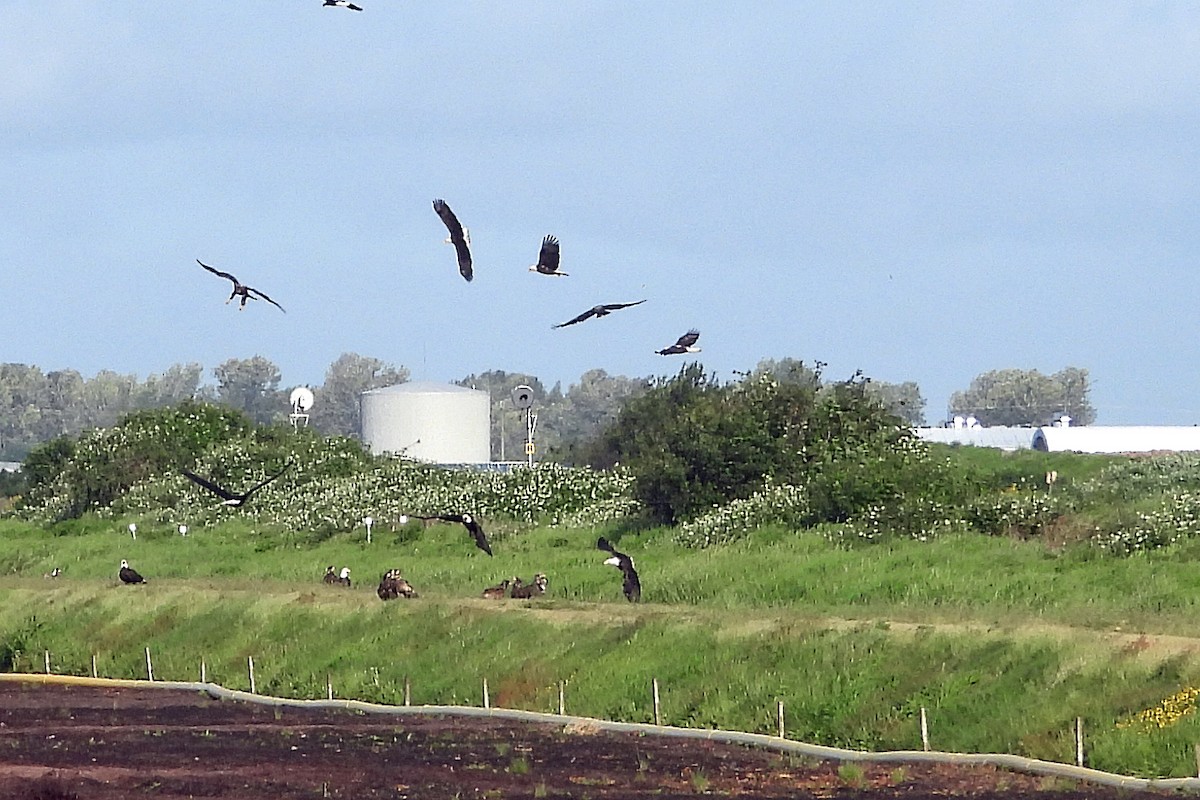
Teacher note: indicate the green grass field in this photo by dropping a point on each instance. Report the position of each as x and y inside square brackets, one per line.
[1004, 642]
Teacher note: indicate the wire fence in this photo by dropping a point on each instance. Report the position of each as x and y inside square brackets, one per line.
[779, 742]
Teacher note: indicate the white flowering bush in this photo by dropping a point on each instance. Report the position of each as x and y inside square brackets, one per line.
[773, 504]
[1178, 517]
[386, 491]
[1137, 477]
[919, 518]
[1013, 512]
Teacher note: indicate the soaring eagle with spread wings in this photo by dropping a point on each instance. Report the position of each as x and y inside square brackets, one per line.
[343, 4]
[470, 523]
[685, 344]
[602, 310]
[228, 498]
[239, 288]
[460, 237]
[548, 258]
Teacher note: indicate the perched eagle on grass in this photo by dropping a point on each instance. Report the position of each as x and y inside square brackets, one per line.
[392, 586]
[547, 263]
[128, 574]
[460, 237]
[240, 289]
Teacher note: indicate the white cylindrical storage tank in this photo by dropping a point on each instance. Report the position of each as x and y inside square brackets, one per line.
[437, 422]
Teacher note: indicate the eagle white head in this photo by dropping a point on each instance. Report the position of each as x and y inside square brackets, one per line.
[124, 564]
[345, 572]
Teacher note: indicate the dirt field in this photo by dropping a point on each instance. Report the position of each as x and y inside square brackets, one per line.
[61, 742]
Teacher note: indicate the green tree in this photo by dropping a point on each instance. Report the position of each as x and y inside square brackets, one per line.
[692, 443]
[508, 422]
[1026, 397]
[902, 399]
[251, 385]
[338, 410]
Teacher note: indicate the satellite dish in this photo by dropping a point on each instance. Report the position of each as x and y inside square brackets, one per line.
[301, 399]
[522, 397]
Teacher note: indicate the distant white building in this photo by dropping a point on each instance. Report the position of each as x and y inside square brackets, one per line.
[1002, 437]
[1117, 438]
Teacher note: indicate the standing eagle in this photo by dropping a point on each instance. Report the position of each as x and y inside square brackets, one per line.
[240, 289]
[460, 237]
[685, 344]
[548, 258]
[602, 310]
[128, 574]
[468, 522]
[229, 498]
[632, 585]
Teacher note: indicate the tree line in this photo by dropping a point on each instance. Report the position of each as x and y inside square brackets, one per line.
[37, 406]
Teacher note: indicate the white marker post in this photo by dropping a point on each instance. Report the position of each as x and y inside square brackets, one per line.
[133, 530]
[368, 521]
[183, 530]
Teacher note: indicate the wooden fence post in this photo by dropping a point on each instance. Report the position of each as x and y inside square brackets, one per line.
[407, 692]
[149, 666]
[94, 675]
[1079, 741]
[657, 709]
[329, 684]
[203, 671]
[487, 702]
[47, 662]
[562, 698]
[924, 730]
[780, 713]
[250, 663]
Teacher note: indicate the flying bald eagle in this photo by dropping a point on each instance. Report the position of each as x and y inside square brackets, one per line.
[632, 586]
[548, 258]
[460, 237]
[233, 499]
[468, 522]
[685, 344]
[128, 574]
[239, 288]
[343, 4]
[602, 310]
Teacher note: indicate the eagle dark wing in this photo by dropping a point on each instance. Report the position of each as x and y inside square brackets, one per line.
[548, 256]
[264, 297]
[480, 539]
[212, 487]
[215, 271]
[260, 484]
[688, 339]
[609, 307]
[457, 238]
[591, 312]
[443, 517]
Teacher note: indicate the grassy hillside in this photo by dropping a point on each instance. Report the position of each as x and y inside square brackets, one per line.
[1005, 642]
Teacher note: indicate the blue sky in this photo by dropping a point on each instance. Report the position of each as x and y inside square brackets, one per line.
[925, 191]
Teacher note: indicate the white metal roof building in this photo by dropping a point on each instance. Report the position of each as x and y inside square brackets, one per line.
[1117, 438]
[1002, 437]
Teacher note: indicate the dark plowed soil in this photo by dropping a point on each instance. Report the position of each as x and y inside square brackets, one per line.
[107, 744]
